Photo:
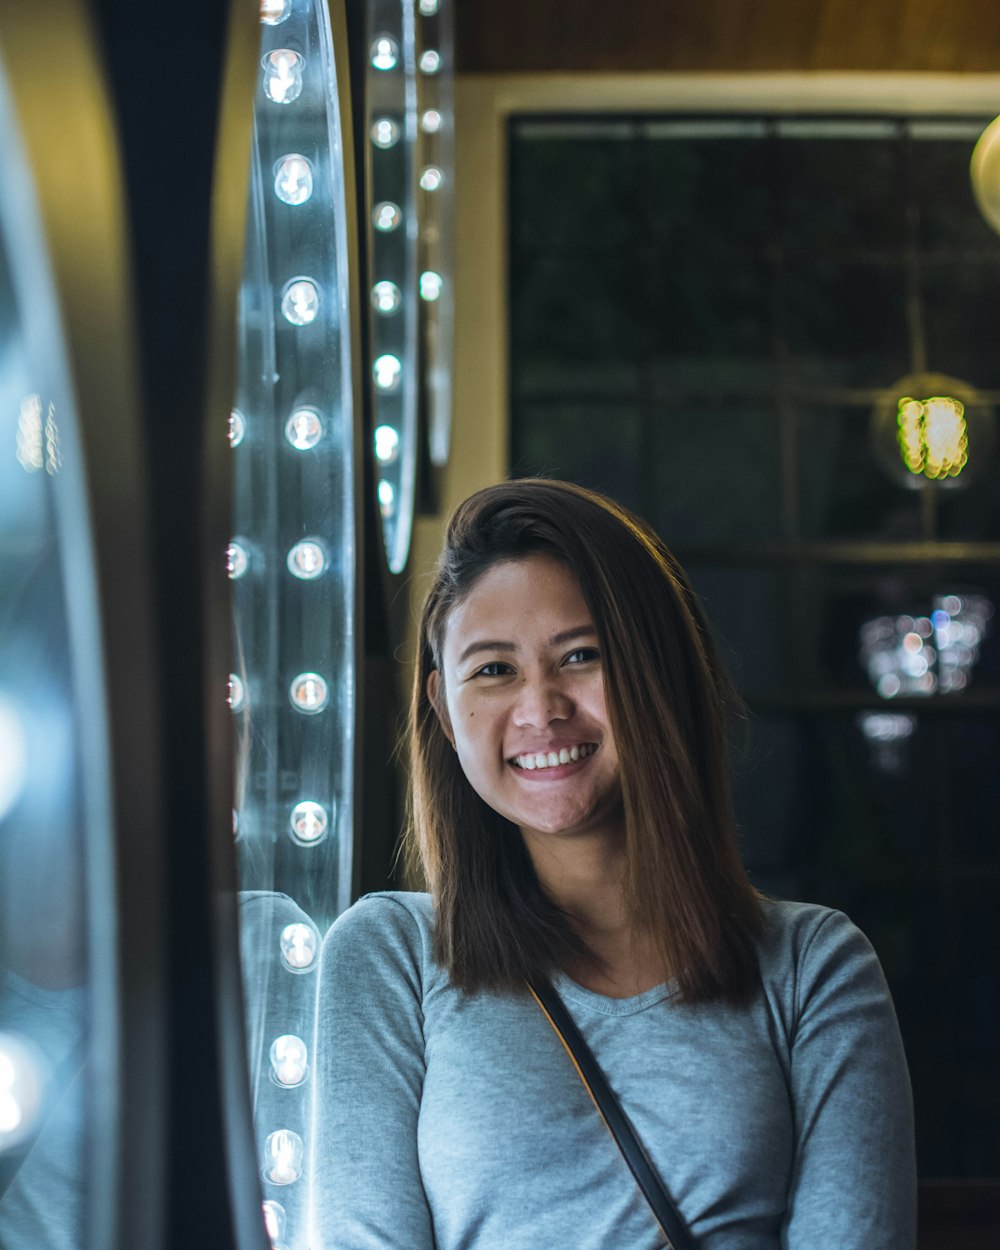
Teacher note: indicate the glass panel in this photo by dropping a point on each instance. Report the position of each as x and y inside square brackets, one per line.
[596, 444]
[861, 628]
[858, 811]
[748, 609]
[572, 187]
[845, 492]
[576, 326]
[962, 301]
[54, 810]
[835, 187]
[733, 453]
[949, 216]
[845, 323]
[292, 560]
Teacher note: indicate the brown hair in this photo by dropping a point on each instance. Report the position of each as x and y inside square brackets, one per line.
[668, 702]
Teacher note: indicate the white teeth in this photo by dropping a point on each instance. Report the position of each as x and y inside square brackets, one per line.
[549, 759]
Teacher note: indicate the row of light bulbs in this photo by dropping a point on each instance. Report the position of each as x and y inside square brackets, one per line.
[300, 303]
[387, 216]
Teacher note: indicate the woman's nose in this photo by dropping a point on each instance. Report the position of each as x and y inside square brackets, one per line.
[539, 702]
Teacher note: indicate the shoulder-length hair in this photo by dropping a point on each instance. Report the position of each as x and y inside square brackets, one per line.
[668, 703]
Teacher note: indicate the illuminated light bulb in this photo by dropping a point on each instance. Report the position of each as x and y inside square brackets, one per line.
[308, 822]
[299, 944]
[428, 8]
[887, 726]
[307, 560]
[386, 297]
[283, 1153]
[932, 435]
[237, 428]
[309, 693]
[237, 560]
[283, 75]
[236, 695]
[274, 11]
[431, 178]
[293, 179]
[13, 755]
[21, 1086]
[430, 61]
[289, 1059]
[387, 216]
[385, 132]
[384, 53]
[945, 437]
[386, 498]
[386, 372]
[300, 302]
[888, 686]
[274, 1220]
[386, 444]
[304, 429]
[430, 286]
[30, 430]
[431, 122]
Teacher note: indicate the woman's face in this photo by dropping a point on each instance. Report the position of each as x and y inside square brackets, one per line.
[521, 696]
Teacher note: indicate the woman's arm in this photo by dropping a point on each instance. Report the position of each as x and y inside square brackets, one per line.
[854, 1182]
[367, 1190]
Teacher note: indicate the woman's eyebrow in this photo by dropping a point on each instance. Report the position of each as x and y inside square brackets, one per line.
[486, 645]
[565, 635]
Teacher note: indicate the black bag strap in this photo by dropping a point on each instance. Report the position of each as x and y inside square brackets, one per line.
[589, 1071]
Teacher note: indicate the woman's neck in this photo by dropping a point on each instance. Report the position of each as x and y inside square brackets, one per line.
[584, 876]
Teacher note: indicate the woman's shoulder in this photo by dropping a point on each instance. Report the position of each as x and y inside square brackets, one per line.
[399, 922]
[808, 951]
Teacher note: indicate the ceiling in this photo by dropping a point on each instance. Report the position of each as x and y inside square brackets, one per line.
[531, 36]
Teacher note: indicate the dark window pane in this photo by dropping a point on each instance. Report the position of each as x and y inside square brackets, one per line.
[961, 302]
[595, 444]
[575, 325]
[703, 189]
[572, 189]
[716, 473]
[949, 217]
[839, 194]
[747, 611]
[710, 323]
[845, 491]
[845, 324]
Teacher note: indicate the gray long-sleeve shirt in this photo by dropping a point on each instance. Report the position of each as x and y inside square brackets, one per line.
[457, 1122]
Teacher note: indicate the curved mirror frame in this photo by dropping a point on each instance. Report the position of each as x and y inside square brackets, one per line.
[56, 845]
[292, 560]
[391, 126]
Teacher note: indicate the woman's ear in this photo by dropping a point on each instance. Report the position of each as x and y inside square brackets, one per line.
[435, 692]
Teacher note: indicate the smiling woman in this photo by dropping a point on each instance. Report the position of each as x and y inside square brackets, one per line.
[570, 811]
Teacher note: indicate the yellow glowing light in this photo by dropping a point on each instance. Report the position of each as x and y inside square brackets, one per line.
[933, 436]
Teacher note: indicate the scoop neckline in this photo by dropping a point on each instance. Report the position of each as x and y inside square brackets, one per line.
[607, 1006]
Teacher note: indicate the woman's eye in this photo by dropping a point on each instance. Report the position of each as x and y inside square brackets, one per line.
[583, 655]
[496, 668]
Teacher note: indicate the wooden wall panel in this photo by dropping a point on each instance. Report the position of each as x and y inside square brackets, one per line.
[530, 36]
